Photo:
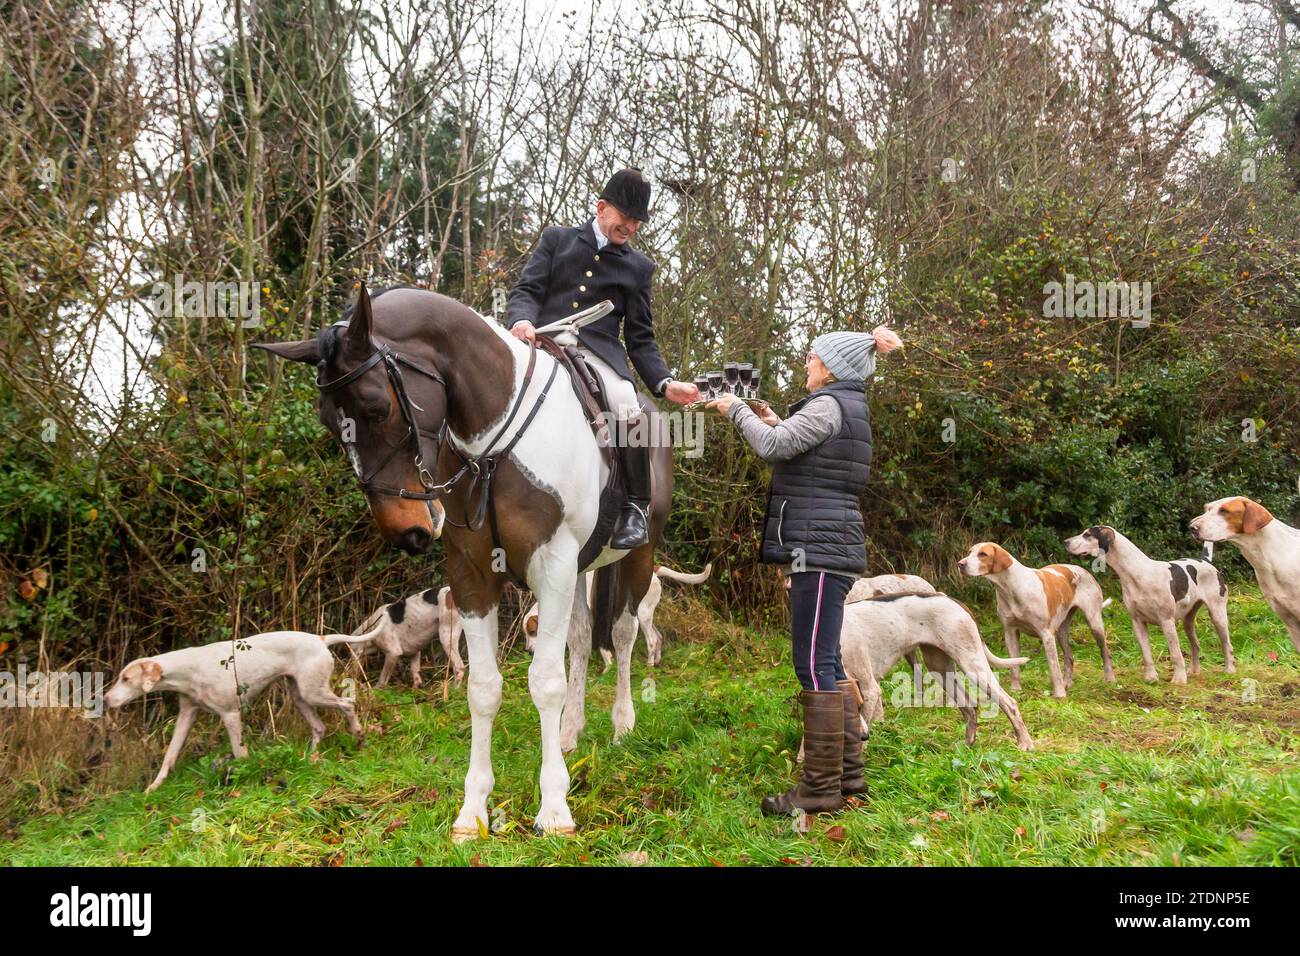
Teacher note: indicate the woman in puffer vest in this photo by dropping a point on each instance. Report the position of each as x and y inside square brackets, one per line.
[821, 459]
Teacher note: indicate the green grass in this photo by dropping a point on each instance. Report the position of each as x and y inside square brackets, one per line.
[1124, 774]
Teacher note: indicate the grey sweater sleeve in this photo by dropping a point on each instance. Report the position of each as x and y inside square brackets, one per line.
[807, 428]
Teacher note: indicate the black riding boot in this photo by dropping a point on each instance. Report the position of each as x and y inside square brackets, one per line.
[633, 528]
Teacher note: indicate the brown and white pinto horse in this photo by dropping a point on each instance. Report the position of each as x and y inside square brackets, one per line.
[414, 377]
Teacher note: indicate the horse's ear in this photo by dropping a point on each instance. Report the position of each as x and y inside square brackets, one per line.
[360, 323]
[308, 350]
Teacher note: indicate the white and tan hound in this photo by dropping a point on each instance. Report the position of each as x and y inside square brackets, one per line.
[225, 676]
[880, 631]
[1162, 592]
[1041, 601]
[866, 588]
[1271, 547]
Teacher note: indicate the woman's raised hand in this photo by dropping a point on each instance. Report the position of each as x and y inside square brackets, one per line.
[886, 339]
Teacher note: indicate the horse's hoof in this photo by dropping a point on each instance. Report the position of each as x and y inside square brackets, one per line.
[464, 834]
[568, 832]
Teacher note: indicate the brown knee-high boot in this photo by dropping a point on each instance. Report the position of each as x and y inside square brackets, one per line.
[823, 758]
[852, 779]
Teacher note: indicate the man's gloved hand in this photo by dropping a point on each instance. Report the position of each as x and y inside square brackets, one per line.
[523, 330]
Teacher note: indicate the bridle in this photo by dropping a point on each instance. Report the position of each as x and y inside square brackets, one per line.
[408, 408]
[481, 467]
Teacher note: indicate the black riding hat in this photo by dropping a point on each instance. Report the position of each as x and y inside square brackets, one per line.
[630, 192]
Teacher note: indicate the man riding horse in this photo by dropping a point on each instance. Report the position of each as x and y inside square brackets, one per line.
[574, 268]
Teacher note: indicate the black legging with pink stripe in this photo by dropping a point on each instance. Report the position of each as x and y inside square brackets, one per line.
[817, 610]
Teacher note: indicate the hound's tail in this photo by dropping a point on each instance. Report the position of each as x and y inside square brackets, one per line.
[332, 639]
[372, 621]
[1003, 662]
[1107, 603]
[993, 659]
[682, 577]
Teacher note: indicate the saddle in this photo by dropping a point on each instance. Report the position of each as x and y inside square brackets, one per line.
[596, 409]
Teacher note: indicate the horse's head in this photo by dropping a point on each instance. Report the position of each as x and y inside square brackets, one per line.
[385, 413]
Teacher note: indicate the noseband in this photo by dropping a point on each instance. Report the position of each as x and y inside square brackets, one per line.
[481, 467]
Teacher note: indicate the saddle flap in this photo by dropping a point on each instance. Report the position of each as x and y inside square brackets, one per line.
[586, 385]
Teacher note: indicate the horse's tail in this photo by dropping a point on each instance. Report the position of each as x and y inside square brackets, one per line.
[604, 605]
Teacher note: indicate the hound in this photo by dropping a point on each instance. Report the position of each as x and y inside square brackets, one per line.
[879, 632]
[865, 588]
[1041, 601]
[1162, 592]
[406, 627]
[220, 677]
[645, 612]
[1271, 547]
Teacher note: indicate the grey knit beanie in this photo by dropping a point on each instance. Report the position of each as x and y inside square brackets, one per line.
[851, 356]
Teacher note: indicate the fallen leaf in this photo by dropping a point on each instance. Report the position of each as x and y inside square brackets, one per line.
[1020, 831]
[397, 824]
[635, 857]
[476, 860]
[26, 589]
[836, 834]
[40, 578]
[1104, 786]
[939, 815]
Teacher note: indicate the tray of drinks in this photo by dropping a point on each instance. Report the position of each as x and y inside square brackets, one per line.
[734, 378]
